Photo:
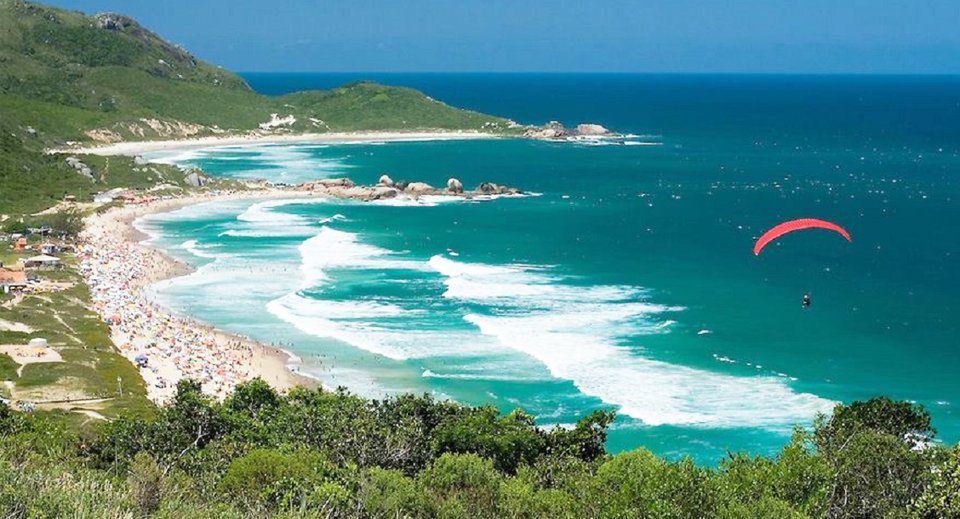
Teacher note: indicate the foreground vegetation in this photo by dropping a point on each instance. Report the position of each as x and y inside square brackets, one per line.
[314, 453]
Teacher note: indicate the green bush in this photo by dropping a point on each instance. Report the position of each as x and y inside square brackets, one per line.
[941, 496]
[274, 478]
[313, 453]
[461, 485]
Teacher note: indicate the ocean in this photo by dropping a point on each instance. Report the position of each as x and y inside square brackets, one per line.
[625, 280]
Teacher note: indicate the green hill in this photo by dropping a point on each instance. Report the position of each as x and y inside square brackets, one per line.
[67, 77]
[65, 74]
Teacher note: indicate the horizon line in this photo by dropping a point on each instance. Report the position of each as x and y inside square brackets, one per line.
[604, 73]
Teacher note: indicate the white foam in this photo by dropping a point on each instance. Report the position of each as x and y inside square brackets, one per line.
[372, 326]
[576, 332]
[335, 218]
[193, 248]
[479, 376]
[278, 163]
[263, 220]
[331, 248]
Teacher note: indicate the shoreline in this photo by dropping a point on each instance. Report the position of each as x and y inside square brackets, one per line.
[119, 267]
[133, 148]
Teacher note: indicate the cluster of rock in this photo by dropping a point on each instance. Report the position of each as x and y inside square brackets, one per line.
[554, 130]
[193, 178]
[80, 167]
[114, 21]
[386, 188]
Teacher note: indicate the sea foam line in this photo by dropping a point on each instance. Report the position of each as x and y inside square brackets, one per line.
[576, 332]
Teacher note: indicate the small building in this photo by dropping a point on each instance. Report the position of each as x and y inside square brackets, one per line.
[70, 198]
[42, 261]
[20, 244]
[12, 280]
[49, 248]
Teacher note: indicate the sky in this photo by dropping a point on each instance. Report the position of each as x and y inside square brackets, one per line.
[657, 36]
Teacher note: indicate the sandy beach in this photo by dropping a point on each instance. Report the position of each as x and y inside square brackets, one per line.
[133, 148]
[118, 267]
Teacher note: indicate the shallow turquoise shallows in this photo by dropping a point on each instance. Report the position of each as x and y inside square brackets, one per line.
[625, 280]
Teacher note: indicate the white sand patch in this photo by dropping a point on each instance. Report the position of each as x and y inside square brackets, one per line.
[10, 326]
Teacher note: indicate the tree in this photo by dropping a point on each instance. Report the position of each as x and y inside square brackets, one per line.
[876, 475]
[941, 496]
[253, 398]
[908, 422]
[66, 222]
[509, 441]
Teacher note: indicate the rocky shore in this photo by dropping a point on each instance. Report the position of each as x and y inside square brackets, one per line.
[556, 131]
[387, 188]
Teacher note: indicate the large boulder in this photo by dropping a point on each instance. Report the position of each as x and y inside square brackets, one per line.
[591, 130]
[335, 182]
[488, 188]
[385, 180]
[195, 179]
[419, 188]
[114, 21]
[551, 130]
[454, 186]
[382, 192]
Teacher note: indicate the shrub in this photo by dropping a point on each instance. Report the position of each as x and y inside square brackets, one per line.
[145, 481]
[908, 422]
[461, 485]
[270, 477]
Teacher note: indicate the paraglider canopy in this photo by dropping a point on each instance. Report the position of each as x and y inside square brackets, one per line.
[797, 225]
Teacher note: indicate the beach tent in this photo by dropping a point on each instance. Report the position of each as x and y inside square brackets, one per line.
[38, 342]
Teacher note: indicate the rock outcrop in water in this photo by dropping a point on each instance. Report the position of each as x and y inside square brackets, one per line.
[489, 188]
[419, 188]
[554, 130]
[345, 188]
[454, 186]
[385, 180]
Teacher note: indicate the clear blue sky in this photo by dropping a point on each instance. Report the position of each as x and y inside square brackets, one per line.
[770, 36]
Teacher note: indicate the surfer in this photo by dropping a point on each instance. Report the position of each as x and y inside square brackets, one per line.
[806, 301]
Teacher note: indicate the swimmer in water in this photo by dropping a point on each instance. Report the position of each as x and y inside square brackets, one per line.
[806, 301]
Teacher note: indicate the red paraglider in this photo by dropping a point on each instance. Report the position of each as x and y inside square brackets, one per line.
[797, 225]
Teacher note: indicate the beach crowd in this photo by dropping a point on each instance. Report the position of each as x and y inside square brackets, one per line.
[167, 348]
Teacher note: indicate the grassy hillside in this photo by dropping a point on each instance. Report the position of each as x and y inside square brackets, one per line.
[68, 77]
[63, 74]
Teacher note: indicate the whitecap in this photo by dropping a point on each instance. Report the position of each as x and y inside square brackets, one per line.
[193, 248]
[576, 332]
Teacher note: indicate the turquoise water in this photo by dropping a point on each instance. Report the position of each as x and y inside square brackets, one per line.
[626, 280]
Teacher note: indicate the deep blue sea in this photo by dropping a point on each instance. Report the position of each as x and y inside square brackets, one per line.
[626, 279]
